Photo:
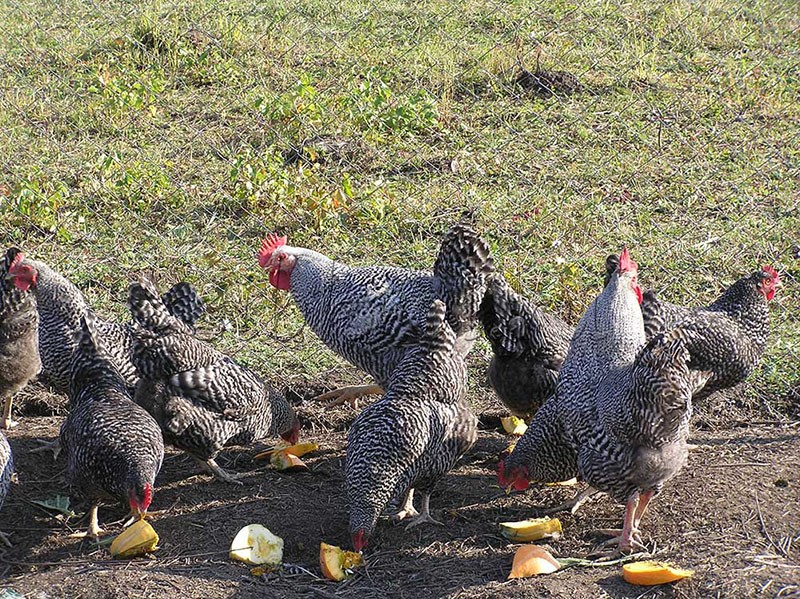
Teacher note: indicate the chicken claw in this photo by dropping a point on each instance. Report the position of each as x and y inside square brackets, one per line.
[408, 510]
[425, 515]
[212, 467]
[348, 395]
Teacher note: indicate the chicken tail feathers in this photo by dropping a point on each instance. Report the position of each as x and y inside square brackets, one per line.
[184, 303]
[438, 336]
[148, 309]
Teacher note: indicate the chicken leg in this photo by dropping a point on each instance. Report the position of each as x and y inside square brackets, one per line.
[7, 423]
[217, 471]
[629, 539]
[349, 395]
[408, 510]
[94, 530]
[424, 515]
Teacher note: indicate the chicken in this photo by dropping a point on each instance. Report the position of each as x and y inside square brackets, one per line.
[61, 306]
[619, 418]
[413, 435]
[529, 347]
[370, 315]
[6, 472]
[19, 352]
[114, 448]
[202, 399]
[728, 337]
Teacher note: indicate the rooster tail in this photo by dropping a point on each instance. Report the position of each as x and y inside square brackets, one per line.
[184, 303]
[92, 361]
[462, 267]
[148, 310]
[438, 336]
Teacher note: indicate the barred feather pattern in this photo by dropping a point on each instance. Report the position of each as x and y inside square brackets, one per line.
[529, 347]
[6, 469]
[19, 353]
[201, 398]
[113, 446]
[726, 338]
[61, 306]
[416, 432]
[370, 315]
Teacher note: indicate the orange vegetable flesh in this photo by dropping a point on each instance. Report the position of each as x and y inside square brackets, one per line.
[532, 560]
[652, 573]
[334, 562]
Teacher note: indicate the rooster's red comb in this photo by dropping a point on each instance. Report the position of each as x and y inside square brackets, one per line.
[16, 261]
[625, 262]
[773, 274]
[271, 243]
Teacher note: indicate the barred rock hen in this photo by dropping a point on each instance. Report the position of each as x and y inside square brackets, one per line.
[529, 347]
[619, 418]
[61, 306]
[201, 398]
[728, 337]
[6, 471]
[413, 435]
[370, 315]
[19, 352]
[114, 448]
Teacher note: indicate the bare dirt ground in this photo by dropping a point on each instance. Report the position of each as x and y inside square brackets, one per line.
[733, 515]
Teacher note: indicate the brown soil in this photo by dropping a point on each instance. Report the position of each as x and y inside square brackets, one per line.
[732, 516]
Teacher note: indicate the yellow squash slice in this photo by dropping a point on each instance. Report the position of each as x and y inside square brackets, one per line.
[513, 425]
[336, 562]
[289, 462]
[532, 560]
[652, 573]
[531, 530]
[256, 545]
[299, 450]
[139, 538]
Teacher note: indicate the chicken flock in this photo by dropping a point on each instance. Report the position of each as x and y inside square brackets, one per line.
[608, 402]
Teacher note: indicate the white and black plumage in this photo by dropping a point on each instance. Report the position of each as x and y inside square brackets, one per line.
[727, 338]
[202, 399]
[528, 344]
[370, 315]
[6, 471]
[61, 306]
[619, 419]
[114, 448]
[19, 352]
[414, 434]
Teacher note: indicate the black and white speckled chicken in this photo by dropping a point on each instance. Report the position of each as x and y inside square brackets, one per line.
[370, 315]
[6, 472]
[61, 306]
[203, 399]
[726, 338]
[413, 435]
[529, 346]
[19, 352]
[619, 419]
[114, 448]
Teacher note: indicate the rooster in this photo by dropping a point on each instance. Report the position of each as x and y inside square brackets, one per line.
[61, 306]
[201, 398]
[370, 315]
[6, 472]
[114, 448]
[19, 352]
[619, 418]
[726, 339]
[413, 435]
[529, 347]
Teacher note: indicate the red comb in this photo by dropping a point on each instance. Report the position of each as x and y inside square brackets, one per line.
[625, 262]
[773, 274]
[16, 261]
[271, 243]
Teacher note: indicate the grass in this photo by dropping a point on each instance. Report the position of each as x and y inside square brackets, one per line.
[154, 140]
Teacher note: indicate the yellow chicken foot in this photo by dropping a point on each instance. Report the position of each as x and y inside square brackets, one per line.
[573, 504]
[349, 395]
[94, 530]
[408, 510]
[7, 423]
[424, 515]
[628, 539]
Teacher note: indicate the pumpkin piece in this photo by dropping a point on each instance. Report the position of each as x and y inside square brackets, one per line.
[256, 545]
[335, 563]
[534, 529]
[287, 461]
[532, 560]
[139, 538]
[651, 573]
[299, 450]
[513, 425]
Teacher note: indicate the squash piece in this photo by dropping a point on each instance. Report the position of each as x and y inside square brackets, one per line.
[652, 573]
[299, 450]
[532, 560]
[287, 461]
[534, 529]
[335, 563]
[256, 545]
[513, 425]
[139, 538]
